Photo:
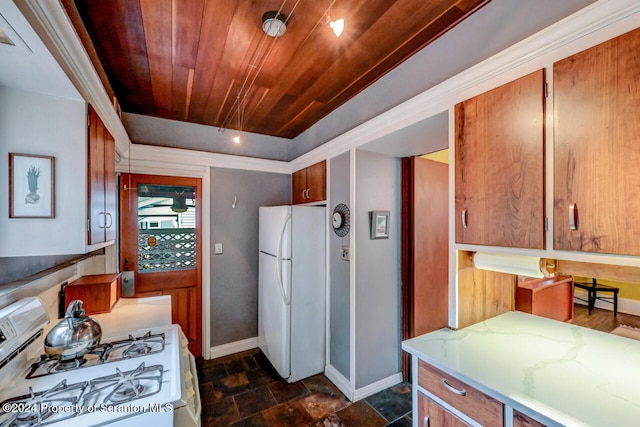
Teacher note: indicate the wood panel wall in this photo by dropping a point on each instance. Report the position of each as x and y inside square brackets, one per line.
[482, 294]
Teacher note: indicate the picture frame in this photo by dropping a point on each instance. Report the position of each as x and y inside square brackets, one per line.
[31, 186]
[379, 224]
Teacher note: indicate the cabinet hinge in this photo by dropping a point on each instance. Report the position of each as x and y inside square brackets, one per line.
[546, 89]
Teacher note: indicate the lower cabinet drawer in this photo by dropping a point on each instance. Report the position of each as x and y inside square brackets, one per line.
[468, 400]
[522, 420]
[430, 414]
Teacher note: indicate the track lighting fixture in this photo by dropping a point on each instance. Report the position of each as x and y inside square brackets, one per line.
[337, 26]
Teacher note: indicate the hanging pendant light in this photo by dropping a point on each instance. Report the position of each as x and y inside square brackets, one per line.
[239, 112]
[179, 204]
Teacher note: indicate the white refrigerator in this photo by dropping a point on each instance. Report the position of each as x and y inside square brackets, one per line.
[292, 289]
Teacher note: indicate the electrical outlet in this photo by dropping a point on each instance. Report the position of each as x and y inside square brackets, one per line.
[344, 253]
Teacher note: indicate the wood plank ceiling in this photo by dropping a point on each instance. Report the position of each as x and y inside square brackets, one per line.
[209, 62]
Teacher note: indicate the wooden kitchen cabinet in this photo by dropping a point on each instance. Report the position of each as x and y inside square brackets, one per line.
[102, 212]
[522, 420]
[98, 292]
[430, 414]
[473, 403]
[550, 297]
[596, 155]
[499, 165]
[309, 184]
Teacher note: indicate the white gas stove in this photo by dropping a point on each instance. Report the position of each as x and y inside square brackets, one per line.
[145, 377]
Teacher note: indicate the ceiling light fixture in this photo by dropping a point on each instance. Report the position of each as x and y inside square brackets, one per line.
[236, 138]
[274, 23]
[337, 26]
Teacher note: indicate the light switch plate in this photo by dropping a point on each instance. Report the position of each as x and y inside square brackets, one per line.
[217, 248]
[127, 284]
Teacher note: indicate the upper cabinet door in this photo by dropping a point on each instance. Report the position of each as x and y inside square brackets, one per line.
[499, 167]
[316, 182]
[597, 148]
[299, 186]
[102, 182]
[309, 184]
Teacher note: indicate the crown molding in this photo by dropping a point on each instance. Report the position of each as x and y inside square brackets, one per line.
[152, 159]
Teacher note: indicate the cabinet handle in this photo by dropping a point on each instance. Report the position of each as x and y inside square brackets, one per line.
[452, 389]
[464, 218]
[572, 217]
[108, 214]
[102, 215]
[308, 190]
[304, 194]
[425, 421]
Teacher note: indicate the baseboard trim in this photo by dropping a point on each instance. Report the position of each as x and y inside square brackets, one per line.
[373, 388]
[628, 306]
[339, 381]
[233, 347]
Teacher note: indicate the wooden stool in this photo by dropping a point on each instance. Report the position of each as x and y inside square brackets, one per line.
[593, 288]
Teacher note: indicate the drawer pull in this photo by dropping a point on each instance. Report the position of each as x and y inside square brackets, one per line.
[425, 421]
[453, 389]
[572, 217]
[464, 218]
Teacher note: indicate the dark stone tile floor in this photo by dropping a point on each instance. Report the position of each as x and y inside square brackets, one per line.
[244, 390]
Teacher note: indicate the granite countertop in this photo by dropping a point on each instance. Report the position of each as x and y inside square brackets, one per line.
[571, 375]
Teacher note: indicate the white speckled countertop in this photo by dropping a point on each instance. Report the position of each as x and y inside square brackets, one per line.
[131, 314]
[572, 375]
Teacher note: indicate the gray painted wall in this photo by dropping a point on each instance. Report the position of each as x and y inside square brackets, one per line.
[378, 283]
[174, 133]
[339, 320]
[234, 274]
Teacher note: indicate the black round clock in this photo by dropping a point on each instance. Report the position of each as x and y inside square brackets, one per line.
[340, 220]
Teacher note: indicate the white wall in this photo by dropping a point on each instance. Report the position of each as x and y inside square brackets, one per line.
[39, 124]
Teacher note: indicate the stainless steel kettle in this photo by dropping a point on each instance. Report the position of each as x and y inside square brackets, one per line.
[74, 336]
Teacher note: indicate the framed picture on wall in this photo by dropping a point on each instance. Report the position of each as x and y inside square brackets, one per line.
[31, 186]
[379, 222]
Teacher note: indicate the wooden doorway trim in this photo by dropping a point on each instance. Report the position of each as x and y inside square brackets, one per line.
[184, 287]
[425, 249]
[407, 289]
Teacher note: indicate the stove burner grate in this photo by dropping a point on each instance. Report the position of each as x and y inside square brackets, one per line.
[105, 352]
[42, 408]
[134, 347]
[126, 386]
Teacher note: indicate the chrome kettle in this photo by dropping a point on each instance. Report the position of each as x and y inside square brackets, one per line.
[74, 336]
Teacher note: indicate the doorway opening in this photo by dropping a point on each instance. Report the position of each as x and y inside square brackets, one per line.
[161, 243]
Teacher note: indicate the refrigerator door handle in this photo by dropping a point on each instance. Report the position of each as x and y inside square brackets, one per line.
[287, 301]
